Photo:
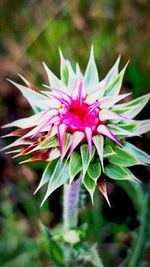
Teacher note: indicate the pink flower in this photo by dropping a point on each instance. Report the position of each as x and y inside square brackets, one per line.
[80, 112]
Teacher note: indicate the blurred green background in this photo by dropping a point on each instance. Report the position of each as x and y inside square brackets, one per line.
[31, 32]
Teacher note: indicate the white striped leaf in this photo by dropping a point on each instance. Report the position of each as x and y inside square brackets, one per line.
[142, 127]
[49, 142]
[37, 101]
[132, 108]
[52, 78]
[64, 73]
[142, 156]
[91, 74]
[75, 165]
[119, 173]
[94, 171]
[90, 185]
[114, 87]
[123, 157]
[98, 141]
[86, 157]
[112, 74]
[108, 151]
[72, 76]
[59, 176]
[47, 174]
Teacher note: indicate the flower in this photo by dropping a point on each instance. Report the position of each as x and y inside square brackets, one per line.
[78, 124]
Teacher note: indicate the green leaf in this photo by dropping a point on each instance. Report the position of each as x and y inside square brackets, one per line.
[132, 108]
[54, 154]
[37, 101]
[105, 114]
[25, 122]
[98, 141]
[135, 128]
[114, 87]
[112, 74]
[56, 252]
[72, 76]
[79, 74]
[64, 73]
[123, 158]
[94, 170]
[108, 151]
[137, 101]
[47, 174]
[53, 80]
[110, 101]
[75, 165]
[86, 157]
[90, 185]
[59, 176]
[142, 156]
[91, 74]
[109, 142]
[129, 126]
[66, 144]
[119, 173]
[143, 126]
[118, 130]
[49, 142]
[55, 249]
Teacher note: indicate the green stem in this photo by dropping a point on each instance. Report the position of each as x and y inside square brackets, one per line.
[139, 243]
[134, 257]
[71, 204]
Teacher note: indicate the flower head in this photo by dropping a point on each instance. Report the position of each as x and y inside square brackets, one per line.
[78, 124]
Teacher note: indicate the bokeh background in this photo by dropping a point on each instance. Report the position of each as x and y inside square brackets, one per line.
[31, 32]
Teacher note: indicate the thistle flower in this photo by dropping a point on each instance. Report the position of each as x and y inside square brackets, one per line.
[79, 128]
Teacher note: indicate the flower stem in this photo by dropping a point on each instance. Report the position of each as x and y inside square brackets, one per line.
[71, 204]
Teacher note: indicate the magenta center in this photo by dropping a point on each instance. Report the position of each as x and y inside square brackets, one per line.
[78, 116]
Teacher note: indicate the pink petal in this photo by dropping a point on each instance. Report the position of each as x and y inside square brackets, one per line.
[92, 97]
[52, 120]
[48, 111]
[79, 95]
[60, 92]
[77, 137]
[62, 100]
[88, 134]
[96, 94]
[61, 134]
[53, 131]
[78, 92]
[94, 106]
[102, 129]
